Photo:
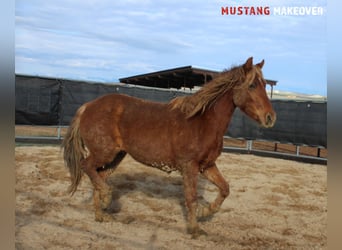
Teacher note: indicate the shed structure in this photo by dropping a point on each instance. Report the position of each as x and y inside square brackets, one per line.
[177, 78]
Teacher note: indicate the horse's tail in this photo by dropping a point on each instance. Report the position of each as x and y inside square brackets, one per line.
[74, 151]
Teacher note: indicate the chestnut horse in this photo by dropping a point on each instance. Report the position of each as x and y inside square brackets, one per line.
[185, 134]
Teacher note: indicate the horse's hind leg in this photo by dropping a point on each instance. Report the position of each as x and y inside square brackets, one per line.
[105, 171]
[101, 189]
[98, 171]
[100, 214]
[213, 175]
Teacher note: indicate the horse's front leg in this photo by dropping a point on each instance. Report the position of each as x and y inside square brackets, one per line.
[213, 175]
[190, 177]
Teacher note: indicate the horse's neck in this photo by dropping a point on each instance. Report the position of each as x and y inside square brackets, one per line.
[221, 112]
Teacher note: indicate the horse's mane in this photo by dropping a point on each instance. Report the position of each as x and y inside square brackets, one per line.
[209, 93]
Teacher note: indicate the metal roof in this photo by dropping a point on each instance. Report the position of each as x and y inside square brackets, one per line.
[186, 77]
[181, 77]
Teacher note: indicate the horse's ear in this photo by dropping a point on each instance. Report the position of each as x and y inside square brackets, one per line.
[261, 64]
[248, 64]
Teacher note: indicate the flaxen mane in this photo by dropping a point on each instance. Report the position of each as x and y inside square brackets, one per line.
[209, 93]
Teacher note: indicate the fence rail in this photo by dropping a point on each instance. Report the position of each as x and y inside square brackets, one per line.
[55, 137]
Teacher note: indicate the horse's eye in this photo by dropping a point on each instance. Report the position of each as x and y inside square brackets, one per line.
[252, 86]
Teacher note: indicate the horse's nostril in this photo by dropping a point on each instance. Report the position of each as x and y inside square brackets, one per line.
[269, 119]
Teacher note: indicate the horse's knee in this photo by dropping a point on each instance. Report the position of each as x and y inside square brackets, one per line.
[225, 191]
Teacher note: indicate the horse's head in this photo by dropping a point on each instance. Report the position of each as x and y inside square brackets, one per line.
[250, 95]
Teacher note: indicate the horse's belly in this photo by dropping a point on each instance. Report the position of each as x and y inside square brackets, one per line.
[154, 156]
[162, 164]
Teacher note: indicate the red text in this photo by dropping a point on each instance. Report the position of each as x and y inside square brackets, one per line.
[245, 10]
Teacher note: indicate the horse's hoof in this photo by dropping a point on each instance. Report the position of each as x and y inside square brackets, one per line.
[196, 232]
[127, 220]
[106, 200]
[103, 217]
[203, 211]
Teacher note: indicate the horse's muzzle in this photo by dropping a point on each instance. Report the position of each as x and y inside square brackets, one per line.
[270, 120]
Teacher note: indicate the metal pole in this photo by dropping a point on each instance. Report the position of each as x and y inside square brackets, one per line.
[59, 132]
[297, 150]
[249, 145]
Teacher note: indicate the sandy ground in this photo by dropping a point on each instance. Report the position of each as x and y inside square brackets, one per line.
[274, 204]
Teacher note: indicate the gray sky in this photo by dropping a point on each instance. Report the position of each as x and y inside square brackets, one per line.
[106, 40]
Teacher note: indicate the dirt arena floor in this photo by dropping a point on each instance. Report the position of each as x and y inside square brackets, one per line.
[274, 204]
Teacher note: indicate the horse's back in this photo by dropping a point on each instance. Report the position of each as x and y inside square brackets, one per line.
[130, 124]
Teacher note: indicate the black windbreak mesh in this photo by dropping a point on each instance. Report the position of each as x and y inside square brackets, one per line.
[44, 101]
[36, 101]
[297, 122]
